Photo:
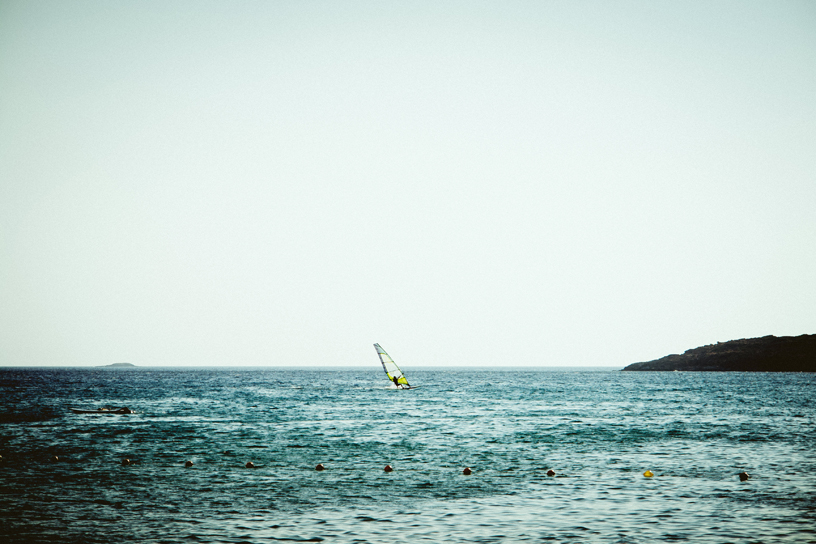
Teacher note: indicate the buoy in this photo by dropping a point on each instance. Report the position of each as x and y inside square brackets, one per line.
[743, 476]
[188, 464]
[551, 472]
[249, 464]
[388, 468]
[319, 466]
[467, 471]
[55, 459]
[648, 473]
[125, 462]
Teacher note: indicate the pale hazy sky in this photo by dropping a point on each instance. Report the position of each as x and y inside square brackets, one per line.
[466, 183]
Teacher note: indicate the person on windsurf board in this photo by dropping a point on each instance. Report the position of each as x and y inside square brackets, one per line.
[391, 369]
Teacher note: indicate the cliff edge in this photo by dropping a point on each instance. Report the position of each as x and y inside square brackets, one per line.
[766, 354]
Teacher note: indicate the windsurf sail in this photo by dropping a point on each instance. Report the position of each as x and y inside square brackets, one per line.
[391, 369]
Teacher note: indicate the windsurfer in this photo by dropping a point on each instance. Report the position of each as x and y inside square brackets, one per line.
[393, 372]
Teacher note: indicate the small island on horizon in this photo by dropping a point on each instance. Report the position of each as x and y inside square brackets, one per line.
[766, 354]
[118, 365]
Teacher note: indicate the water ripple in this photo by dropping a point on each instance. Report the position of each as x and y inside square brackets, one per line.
[599, 431]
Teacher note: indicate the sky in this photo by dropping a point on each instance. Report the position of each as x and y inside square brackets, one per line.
[508, 183]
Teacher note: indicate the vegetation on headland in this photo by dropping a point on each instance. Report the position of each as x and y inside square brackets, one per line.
[766, 354]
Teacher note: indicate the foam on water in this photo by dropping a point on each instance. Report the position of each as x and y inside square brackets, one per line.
[598, 430]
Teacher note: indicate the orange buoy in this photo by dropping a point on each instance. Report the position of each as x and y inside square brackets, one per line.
[319, 466]
[551, 472]
[388, 468]
[648, 473]
[249, 464]
[467, 471]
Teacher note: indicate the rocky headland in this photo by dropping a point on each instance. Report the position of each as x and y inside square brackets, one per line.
[766, 354]
[119, 365]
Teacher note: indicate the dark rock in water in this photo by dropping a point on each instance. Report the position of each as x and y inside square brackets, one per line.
[766, 354]
[118, 365]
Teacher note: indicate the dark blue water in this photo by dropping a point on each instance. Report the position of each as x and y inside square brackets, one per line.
[599, 431]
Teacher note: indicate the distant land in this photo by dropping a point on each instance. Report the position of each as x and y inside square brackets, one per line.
[766, 354]
[118, 365]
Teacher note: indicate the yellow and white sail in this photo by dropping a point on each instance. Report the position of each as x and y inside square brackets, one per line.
[391, 369]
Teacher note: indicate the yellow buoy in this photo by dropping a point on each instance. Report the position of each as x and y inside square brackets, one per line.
[648, 473]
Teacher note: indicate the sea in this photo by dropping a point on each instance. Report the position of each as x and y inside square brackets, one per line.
[62, 477]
